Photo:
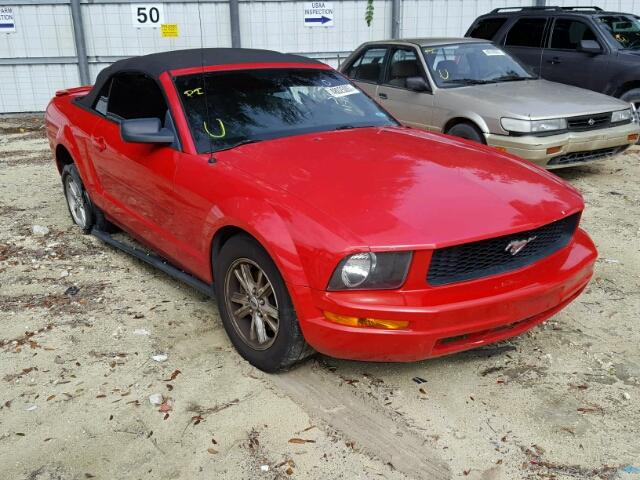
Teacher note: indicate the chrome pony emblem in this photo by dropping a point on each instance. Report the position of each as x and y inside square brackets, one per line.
[515, 246]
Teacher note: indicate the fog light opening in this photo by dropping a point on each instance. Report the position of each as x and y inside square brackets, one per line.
[366, 322]
[552, 150]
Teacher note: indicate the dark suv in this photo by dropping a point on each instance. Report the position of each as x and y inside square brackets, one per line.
[582, 46]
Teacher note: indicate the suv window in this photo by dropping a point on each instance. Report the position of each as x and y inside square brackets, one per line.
[368, 66]
[526, 32]
[568, 33]
[134, 95]
[487, 28]
[403, 64]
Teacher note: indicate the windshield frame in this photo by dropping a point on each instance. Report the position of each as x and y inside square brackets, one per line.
[610, 36]
[487, 43]
[207, 71]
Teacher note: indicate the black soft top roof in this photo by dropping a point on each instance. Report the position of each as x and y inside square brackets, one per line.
[156, 64]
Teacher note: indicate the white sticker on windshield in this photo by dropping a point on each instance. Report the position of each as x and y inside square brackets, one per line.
[493, 52]
[342, 90]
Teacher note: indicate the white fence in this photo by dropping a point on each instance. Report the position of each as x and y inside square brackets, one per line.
[40, 56]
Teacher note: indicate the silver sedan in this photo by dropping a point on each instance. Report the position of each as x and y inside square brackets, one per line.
[473, 89]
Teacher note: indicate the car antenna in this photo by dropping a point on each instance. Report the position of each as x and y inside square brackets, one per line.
[212, 159]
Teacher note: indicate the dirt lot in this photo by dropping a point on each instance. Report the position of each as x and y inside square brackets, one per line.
[80, 324]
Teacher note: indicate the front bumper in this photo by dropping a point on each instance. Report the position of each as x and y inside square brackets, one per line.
[449, 318]
[603, 143]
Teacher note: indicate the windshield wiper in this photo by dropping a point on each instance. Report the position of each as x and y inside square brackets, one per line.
[241, 142]
[509, 78]
[467, 81]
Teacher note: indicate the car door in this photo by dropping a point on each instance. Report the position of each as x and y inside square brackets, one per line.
[412, 108]
[366, 69]
[525, 40]
[135, 179]
[563, 62]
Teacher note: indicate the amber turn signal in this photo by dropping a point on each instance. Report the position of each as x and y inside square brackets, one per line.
[633, 137]
[365, 322]
[552, 150]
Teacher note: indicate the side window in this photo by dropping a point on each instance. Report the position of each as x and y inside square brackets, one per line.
[526, 32]
[403, 64]
[103, 98]
[368, 66]
[567, 34]
[487, 28]
[134, 95]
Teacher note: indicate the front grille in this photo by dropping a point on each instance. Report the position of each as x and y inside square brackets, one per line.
[580, 157]
[588, 122]
[489, 257]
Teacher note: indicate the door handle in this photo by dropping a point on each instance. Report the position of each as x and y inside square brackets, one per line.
[383, 96]
[554, 60]
[99, 143]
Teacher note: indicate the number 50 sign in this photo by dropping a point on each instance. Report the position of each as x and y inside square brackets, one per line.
[147, 14]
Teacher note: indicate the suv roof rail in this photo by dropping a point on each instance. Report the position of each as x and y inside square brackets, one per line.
[545, 8]
[578, 7]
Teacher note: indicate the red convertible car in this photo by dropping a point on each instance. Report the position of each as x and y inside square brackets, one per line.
[316, 220]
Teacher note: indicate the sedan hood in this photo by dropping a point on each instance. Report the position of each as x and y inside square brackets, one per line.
[399, 187]
[535, 99]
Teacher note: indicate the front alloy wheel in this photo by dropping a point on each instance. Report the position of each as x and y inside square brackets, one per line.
[255, 306]
[252, 302]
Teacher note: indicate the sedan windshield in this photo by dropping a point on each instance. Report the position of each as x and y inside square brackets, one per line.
[472, 64]
[624, 29]
[228, 109]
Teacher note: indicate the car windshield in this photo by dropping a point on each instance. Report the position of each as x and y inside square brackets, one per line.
[227, 109]
[624, 29]
[463, 64]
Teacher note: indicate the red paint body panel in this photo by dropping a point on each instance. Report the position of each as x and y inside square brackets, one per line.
[312, 199]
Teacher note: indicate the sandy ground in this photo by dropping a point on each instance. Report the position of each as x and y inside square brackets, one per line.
[80, 323]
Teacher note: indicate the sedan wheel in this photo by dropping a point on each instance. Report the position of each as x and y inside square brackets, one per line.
[252, 302]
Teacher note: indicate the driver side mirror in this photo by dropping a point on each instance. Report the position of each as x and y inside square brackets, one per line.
[417, 84]
[589, 46]
[145, 130]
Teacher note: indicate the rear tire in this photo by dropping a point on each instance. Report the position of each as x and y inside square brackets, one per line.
[467, 131]
[83, 211]
[255, 306]
[78, 203]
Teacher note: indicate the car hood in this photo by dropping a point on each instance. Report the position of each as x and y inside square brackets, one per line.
[535, 99]
[399, 187]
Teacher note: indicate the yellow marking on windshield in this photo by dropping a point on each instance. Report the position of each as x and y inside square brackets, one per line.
[444, 74]
[196, 91]
[223, 131]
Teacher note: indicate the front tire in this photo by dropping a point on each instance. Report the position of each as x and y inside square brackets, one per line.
[467, 131]
[255, 307]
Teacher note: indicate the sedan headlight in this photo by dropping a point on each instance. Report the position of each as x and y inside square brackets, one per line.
[533, 126]
[621, 116]
[368, 270]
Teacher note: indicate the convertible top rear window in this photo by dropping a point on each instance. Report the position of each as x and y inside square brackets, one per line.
[226, 109]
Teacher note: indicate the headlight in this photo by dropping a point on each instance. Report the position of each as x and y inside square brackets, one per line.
[368, 270]
[621, 116]
[533, 126]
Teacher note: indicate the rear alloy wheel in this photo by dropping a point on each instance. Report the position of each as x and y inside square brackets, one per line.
[467, 131]
[77, 199]
[255, 306]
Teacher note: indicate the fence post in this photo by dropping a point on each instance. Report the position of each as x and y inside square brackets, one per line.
[234, 20]
[395, 18]
[79, 39]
